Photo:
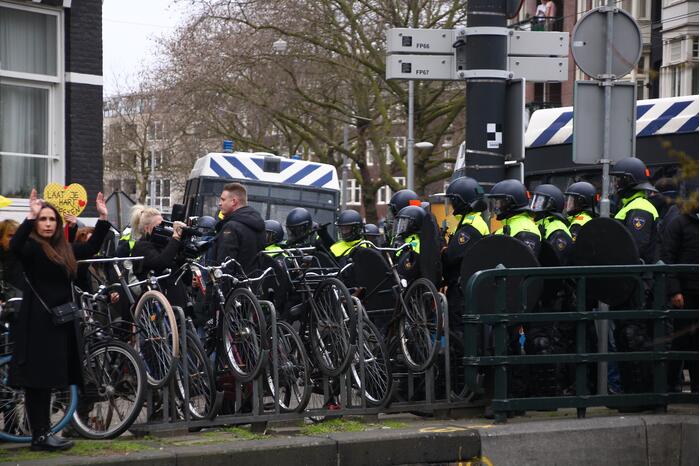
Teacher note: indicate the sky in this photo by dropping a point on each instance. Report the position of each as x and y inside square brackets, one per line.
[129, 32]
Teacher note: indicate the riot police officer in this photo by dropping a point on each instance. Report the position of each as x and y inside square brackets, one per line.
[508, 200]
[547, 203]
[373, 235]
[580, 200]
[398, 201]
[350, 230]
[274, 237]
[299, 225]
[467, 199]
[631, 184]
[409, 222]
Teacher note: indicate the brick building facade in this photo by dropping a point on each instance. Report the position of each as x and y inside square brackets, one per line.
[50, 98]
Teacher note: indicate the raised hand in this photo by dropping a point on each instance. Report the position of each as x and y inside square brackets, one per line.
[35, 205]
[101, 206]
[70, 219]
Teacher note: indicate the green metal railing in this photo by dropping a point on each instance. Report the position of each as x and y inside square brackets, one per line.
[499, 319]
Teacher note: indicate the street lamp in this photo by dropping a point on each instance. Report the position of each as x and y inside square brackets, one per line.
[409, 151]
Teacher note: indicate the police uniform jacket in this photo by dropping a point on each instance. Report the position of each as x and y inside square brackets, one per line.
[576, 222]
[46, 355]
[640, 216]
[470, 228]
[522, 227]
[556, 233]
[408, 265]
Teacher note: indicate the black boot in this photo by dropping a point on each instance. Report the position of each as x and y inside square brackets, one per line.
[50, 442]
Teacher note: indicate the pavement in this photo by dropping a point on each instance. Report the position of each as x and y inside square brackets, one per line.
[541, 438]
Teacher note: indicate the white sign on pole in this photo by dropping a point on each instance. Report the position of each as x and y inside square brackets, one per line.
[537, 43]
[428, 41]
[433, 67]
[539, 69]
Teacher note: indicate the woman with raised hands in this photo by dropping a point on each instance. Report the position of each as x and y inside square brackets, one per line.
[45, 354]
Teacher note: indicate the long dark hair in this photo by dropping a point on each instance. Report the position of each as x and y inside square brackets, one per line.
[57, 248]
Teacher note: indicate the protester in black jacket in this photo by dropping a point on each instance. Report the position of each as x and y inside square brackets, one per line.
[46, 355]
[240, 234]
[680, 246]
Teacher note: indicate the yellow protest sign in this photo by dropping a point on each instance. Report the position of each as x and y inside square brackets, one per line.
[4, 202]
[70, 199]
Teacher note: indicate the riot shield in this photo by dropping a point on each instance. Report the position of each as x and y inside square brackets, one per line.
[429, 258]
[606, 241]
[490, 252]
[371, 272]
[548, 256]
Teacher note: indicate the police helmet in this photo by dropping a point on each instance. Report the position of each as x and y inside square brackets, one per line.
[274, 233]
[631, 174]
[371, 230]
[508, 197]
[298, 223]
[547, 198]
[409, 220]
[580, 197]
[206, 224]
[401, 199]
[466, 195]
[349, 225]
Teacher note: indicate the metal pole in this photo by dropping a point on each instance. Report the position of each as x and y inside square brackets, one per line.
[152, 177]
[486, 96]
[409, 141]
[344, 171]
[603, 325]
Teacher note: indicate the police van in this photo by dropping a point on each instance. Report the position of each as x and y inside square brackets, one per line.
[665, 128]
[275, 185]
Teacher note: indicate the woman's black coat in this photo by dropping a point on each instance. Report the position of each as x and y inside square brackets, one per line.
[45, 355]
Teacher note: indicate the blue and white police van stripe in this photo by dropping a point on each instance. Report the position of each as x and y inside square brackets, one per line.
[251, 166]
[672, 115]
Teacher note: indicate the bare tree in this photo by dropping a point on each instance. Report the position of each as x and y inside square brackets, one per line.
[223, 69]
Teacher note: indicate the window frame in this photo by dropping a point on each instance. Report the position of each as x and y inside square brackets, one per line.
[55, 84]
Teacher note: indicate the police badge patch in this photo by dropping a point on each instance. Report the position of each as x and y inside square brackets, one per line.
[462, 238]
[638, 223]
[560, 243]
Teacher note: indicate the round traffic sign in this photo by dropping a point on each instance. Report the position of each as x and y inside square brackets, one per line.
[589, 42]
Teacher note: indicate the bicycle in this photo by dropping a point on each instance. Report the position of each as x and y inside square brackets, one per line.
[14, 426]
[415, 319]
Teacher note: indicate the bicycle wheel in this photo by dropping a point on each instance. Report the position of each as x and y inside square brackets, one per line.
[114, 392]
[332, 326]
[420, 324]
[157, 337]
[202, 383]
[377, 387]
[14, 424]
[294, 371]
[244, 334]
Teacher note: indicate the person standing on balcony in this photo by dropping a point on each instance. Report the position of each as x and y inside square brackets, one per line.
[550, 14]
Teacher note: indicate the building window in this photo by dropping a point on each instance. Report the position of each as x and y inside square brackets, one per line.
[695, 48]
[31, 120]
[676, 75]
[354, 192]
[162, 195]
[370, 154]
[384, 193]
[675, 47]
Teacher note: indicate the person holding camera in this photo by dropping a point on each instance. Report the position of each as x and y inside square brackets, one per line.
[46, 353]
[159, 245]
